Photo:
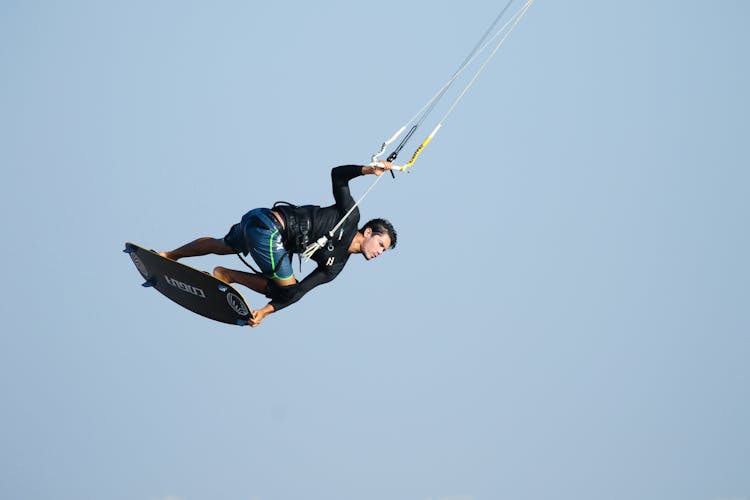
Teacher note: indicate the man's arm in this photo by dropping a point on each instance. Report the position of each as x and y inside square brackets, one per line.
[283, 296]
[340, 177]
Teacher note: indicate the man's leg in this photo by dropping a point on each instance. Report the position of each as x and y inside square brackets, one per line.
[201, 246]
[255, 282]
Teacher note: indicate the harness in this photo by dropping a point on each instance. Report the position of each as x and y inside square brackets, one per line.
[297, 230]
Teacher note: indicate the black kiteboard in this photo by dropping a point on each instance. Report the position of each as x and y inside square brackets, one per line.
[192, 289]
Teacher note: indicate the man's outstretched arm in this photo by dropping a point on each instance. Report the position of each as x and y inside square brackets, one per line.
[284, 296]
[340, 177]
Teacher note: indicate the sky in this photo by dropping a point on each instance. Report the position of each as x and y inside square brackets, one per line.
[566, 314]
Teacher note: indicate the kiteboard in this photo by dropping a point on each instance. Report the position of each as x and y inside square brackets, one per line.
[195, 290]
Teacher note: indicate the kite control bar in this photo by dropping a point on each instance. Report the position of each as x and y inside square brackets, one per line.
[394, 154]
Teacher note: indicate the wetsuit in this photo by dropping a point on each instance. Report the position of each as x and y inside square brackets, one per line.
[305, 224]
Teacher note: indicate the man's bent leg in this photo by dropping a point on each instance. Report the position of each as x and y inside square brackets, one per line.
[255, 282]
[201, 246]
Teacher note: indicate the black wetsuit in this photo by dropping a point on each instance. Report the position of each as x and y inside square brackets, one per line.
[305, 224]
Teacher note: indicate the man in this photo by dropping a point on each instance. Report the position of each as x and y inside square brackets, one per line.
[271, 236]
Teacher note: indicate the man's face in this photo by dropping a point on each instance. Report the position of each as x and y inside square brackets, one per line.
[374, 244]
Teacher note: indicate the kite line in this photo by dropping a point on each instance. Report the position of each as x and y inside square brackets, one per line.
[494, 38]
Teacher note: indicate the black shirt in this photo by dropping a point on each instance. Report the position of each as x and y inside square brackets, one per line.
[318, 221]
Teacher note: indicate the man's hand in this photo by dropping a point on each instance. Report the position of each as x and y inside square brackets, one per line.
[379, 170]
[259, 315]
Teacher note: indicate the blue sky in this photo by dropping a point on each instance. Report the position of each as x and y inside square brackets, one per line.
[566, 315]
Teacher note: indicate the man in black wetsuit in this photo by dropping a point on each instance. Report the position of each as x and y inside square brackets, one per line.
[271, 236]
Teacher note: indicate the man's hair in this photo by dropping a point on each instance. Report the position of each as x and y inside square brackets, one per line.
[381, 226]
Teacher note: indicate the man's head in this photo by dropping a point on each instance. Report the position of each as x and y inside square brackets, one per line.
[379, 235]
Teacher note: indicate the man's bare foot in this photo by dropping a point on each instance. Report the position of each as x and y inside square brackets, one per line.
[223, 274]
[168, 255]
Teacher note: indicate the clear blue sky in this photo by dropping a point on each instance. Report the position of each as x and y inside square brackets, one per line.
[566, 315]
